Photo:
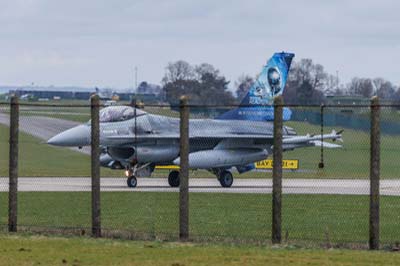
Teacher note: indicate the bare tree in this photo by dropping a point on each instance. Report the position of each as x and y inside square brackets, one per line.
[396, 95]
[361, 87]
[306, 83]
[383, 88]
[318, 76]
[203, 69]
[203, 84]
[306, 70]
[331, 86]
[243, 85]
[179, 70]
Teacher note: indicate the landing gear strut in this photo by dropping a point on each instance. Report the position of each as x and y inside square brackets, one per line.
[173, 179]
[137, 170]
[225, 178]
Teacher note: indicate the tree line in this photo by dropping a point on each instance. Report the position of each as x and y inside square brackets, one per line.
[202, 83]
[308, 83]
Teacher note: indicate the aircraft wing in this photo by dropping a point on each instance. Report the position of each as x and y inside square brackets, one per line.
[289, 142]
[213, 136]
[131, 138]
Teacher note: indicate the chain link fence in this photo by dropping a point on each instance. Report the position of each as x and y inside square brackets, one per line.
[4, 133]
[326, 200]
[325, 189]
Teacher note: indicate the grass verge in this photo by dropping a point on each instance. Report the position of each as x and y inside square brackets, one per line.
[323, 219]
[39, 250]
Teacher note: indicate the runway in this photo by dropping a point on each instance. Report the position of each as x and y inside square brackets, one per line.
[206, 185]
[43, 127]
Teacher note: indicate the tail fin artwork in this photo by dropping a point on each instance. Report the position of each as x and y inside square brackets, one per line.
[257, 104]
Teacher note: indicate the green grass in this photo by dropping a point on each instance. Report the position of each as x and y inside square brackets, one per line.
[40, 159]
[351, 161]
[77, 117]
[78, 114]
[241, 217]
[30, 250]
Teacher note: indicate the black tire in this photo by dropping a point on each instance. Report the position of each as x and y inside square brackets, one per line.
[226, 179]
[131, 181]
[173, 179]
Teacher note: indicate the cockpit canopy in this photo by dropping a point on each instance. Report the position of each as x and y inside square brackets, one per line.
[119, 113]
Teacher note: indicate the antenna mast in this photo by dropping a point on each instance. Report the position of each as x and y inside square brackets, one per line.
[136, 85]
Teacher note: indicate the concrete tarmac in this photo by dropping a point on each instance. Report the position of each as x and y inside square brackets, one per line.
[43, 127]
[209, 185]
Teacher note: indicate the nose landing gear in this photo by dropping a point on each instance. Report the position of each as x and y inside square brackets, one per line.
[132, 181]
[138, 170]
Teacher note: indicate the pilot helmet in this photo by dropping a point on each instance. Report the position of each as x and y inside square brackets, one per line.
[274, 80]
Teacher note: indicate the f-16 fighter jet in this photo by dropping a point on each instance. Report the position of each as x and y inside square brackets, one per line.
[137, 141]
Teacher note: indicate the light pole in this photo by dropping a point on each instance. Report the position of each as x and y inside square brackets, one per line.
[136, 71]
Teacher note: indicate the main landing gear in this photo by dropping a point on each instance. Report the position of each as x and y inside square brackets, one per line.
[173, 179]
[225, 178]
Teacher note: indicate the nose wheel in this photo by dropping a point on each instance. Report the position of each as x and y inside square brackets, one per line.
[132, 181]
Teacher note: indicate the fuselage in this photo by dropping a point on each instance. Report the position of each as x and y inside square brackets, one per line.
[155, 138]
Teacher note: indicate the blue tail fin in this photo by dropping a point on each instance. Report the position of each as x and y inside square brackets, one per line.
[270, 83]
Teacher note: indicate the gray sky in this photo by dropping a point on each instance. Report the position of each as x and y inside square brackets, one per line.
[98, 43]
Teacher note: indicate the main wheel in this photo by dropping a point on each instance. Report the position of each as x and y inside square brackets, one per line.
[132, 181]
[173, 179]
[226, 179]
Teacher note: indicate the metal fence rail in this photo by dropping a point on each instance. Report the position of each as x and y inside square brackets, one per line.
[316, 196]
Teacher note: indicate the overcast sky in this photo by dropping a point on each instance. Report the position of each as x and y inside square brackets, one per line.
[98, 43]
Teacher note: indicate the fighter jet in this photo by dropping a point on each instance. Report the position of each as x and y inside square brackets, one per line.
[137, 141]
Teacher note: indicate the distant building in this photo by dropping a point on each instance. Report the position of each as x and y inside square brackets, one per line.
[105, 94]
[347, 100]
[147, 93]
[351, 100]
[147, 88]
[48, 94]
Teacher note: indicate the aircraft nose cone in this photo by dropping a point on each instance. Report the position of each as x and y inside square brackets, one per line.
[74, 137]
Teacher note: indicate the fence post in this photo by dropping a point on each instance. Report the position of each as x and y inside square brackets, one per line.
[13, 165]
[184, 170]
[277, 172]
[95, 163]
[374, 175]
[321, 163]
